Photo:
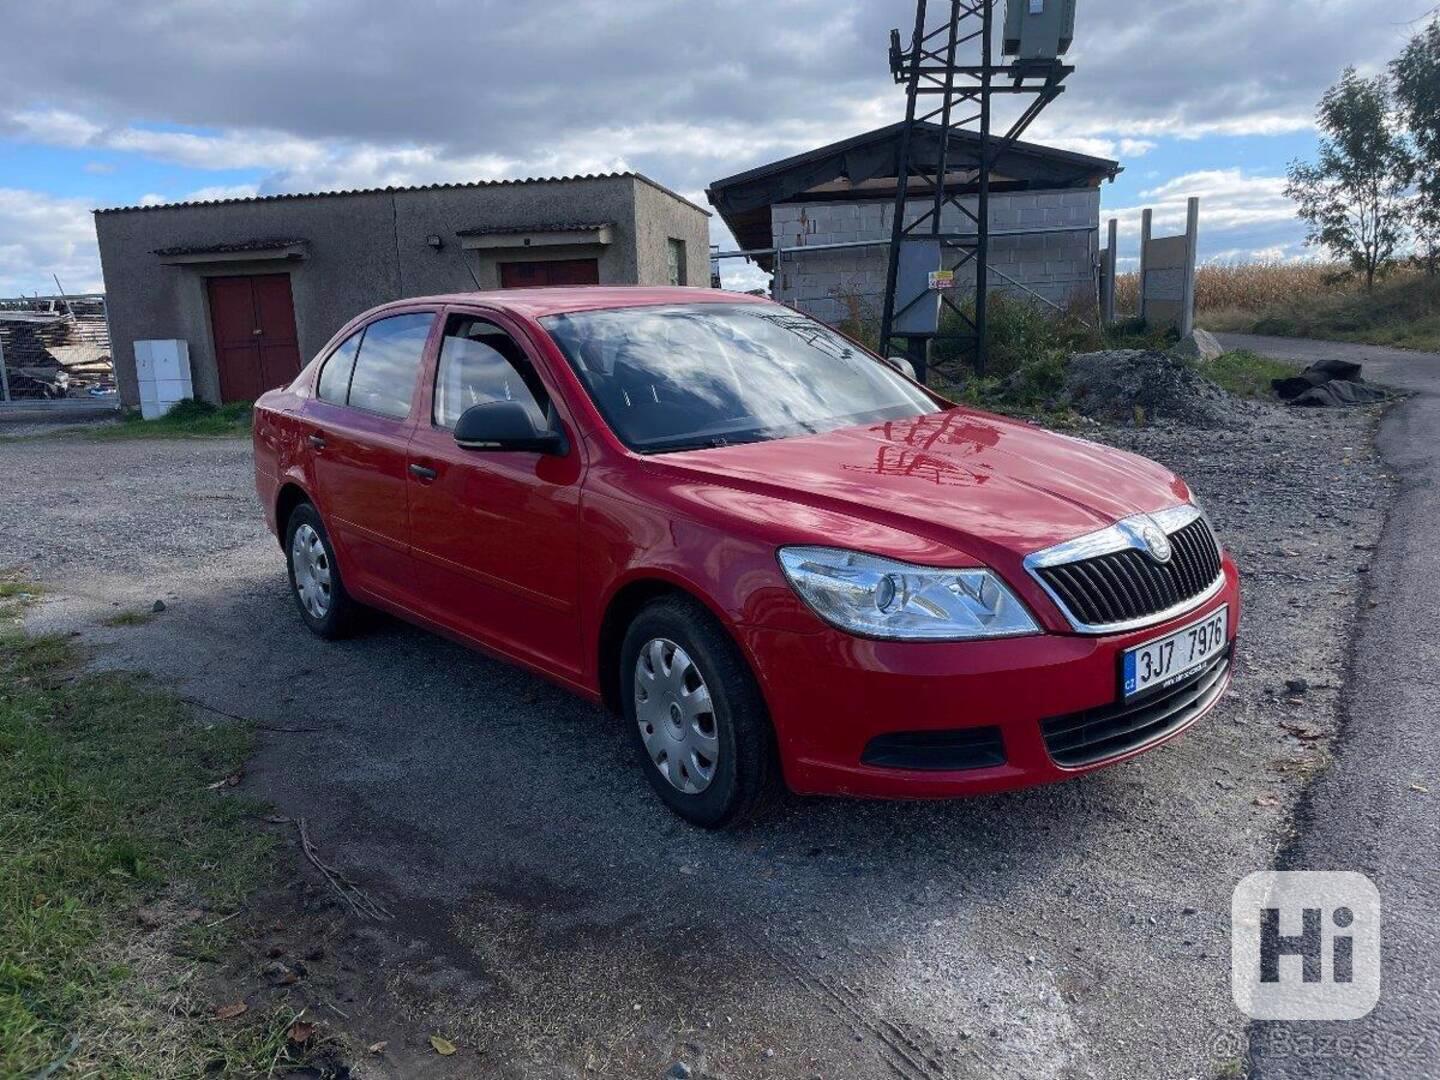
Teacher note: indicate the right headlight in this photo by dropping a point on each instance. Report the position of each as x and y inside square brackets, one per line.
[881, 598]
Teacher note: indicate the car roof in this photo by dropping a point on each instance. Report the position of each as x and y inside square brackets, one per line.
[556, 300]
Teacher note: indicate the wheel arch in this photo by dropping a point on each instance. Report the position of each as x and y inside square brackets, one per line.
[287, 499]
[624, 604]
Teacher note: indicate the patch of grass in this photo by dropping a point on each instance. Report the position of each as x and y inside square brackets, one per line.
[105, 809]
[17, 589]
[186, 419]
[1247, 374]
[128, 618]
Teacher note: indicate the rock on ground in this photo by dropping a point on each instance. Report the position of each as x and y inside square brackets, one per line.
[1198, 345]
[1113, 384]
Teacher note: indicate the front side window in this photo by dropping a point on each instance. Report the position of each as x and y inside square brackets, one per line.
[335, 375]
[479, 362]
[693, 375]
[388, 363]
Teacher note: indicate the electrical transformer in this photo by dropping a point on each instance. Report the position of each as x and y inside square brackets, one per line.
[1038, 29]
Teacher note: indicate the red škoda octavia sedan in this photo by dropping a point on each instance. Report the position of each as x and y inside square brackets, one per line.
[778, 558]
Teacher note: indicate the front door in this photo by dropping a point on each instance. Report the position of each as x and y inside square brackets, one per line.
[253, 320]
[528, 275]
[495, 535]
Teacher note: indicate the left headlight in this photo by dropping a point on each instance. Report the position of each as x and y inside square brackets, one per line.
[882, 598]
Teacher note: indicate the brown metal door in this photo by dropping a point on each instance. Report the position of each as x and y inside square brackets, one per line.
[526, 275]
[253, 319]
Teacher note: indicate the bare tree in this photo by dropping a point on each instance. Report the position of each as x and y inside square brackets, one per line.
[1354, 196]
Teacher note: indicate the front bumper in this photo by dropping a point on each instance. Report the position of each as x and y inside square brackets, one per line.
[830, 694]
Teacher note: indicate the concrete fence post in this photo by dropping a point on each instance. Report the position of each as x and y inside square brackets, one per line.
[1146, 220]
[1107, 295]
[1192, 243]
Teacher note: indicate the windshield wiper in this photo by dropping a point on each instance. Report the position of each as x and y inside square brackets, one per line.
[710, 442]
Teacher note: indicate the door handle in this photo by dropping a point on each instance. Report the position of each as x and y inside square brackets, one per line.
[423, 472]
[317, 441]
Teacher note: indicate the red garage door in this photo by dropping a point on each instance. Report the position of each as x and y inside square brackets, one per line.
[253, 319]
[528, 275]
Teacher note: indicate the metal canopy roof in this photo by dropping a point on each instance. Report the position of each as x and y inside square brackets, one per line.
[230, 248]
[744, 200]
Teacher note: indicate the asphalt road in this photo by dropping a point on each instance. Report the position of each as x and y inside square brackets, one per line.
[1377, 809]
[555, 921]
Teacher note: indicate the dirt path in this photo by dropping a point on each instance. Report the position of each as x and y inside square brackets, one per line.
[1375, 810]
[554, 921]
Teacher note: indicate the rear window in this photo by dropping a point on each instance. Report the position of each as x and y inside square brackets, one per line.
[389, 363]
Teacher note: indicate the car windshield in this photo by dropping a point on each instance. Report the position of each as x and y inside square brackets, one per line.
[696, 375]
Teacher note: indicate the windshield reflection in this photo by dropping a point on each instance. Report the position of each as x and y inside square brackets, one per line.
[696, 375]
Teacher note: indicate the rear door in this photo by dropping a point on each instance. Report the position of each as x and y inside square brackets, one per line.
[359, 425]
[495, 534]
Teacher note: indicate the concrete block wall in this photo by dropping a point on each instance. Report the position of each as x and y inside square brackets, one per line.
[839, 284]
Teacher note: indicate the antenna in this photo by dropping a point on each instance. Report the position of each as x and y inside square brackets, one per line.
[946, 159]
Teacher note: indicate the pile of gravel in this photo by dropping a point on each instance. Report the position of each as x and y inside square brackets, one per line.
[1114, 384]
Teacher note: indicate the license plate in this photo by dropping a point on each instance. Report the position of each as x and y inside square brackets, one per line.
[1168, 660]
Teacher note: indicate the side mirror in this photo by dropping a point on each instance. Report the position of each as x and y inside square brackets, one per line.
[903, 366]
[505, 425]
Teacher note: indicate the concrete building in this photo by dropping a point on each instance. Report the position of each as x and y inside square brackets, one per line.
[255, 287]
[1044, 219]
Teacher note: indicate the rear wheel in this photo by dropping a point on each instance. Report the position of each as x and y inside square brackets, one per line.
[315, 579]
[699, 721]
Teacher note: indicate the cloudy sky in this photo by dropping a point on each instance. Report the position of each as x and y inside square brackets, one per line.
[164, 100]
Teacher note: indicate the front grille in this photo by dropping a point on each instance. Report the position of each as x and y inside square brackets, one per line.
[1096, 734]
[1124, 586]
[964, 748]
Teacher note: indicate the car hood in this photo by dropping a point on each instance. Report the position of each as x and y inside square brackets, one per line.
[994, 488]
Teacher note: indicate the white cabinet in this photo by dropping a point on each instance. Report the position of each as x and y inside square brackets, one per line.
[163, 370]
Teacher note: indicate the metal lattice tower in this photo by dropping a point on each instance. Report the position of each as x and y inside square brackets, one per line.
[945, 95]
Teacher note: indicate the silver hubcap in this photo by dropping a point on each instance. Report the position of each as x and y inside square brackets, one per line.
[312, 571]
[676, 716]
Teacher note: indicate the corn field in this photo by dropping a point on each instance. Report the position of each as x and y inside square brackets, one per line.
[1256, 286]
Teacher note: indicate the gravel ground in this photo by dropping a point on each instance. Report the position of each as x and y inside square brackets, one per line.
[1373, 810]
[555, 921]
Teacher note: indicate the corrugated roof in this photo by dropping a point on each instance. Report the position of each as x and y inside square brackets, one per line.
[547, 226]
[393, 190]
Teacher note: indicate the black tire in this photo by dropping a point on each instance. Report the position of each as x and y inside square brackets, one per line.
[746, 774]
[341, 612]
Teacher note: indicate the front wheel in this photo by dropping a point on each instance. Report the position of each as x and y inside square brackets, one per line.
[700, 725]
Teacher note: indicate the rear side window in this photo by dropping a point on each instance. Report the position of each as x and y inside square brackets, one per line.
[389, 361]
[335, 375]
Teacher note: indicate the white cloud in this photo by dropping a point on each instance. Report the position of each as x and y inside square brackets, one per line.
[216, 193]
[1229, 199]
[43, 237]
[355, 93]
[1242, 215]
[1118, 149]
